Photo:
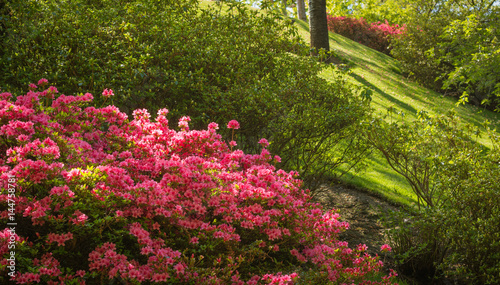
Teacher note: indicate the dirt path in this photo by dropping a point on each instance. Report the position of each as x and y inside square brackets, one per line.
[361, 210]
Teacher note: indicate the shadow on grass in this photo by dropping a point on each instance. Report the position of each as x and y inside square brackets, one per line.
[390, 98]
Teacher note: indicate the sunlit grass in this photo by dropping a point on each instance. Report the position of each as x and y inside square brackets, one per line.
[382, 74]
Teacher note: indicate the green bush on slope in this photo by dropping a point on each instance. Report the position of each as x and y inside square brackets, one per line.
[455, 229]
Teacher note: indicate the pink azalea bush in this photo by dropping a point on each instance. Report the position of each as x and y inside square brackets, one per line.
[100, 197]
[374, 35]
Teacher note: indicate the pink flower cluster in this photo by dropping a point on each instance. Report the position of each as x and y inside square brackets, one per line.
[152, 204]
[60, 239]
[374, 35]
[108, 93]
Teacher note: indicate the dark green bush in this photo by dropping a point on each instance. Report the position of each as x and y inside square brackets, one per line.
[454, 231]
[473, 215]
[214, 62]
[418, 245]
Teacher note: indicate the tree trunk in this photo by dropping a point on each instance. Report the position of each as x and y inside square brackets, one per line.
[283, 8]
[318, 26]
[301, 10]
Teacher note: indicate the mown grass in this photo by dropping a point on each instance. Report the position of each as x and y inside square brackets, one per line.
[391, 89]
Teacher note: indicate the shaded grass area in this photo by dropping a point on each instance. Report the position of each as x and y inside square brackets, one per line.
[391, 89]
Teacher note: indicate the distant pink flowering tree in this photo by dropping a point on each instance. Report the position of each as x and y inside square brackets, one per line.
[374, 35]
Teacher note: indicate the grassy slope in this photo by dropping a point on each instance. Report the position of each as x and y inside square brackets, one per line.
[382, 74]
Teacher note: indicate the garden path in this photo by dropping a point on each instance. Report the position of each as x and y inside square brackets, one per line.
[362, 210]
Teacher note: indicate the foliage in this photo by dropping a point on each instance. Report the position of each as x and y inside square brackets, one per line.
[452, 45]
[449, 44]
[216, 63]
[419, 247]
[456, 181]
[168, 52]
[374, 35]
[472, 47]
[423, 151]
[98, 197]
[393, 11]
[473, 215]
[418, 50]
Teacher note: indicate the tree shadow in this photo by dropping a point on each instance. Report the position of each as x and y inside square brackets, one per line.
[390, 98]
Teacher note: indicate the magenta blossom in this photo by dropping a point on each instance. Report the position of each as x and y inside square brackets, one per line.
[385, 248]
[145, 185]
[264, 143]
[233, 124]
[42, 82]
[107, 93]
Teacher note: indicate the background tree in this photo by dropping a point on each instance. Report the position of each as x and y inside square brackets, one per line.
[280, 5]
[371, 10]
[318, 26]
[301, 10]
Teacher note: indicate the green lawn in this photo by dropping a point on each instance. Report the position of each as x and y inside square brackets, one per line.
[382, 74]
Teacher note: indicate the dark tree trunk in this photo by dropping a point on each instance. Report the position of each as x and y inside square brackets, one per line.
[283, 8]
[301, 10]
[318, 26]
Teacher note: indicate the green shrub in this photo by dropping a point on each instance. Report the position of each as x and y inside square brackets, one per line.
[418, 245]
[218, 63]
[423, 151]
[473, 49]
[454, 231]
[413, 52]
[473, 216]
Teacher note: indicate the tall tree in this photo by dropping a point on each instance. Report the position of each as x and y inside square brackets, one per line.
[283, 8]
[301, 10]
[318, 26]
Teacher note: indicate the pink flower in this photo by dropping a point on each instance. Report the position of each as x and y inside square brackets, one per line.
[51, 91]
[232, 143]
[42, 82]
[385, 248]
[107, 93]
[213, 126]
[59, 238]
[362, 247]
[233, 124]
[82, 218]
[179, 268]
[194, 240]
[264, 143]
[5, 96]
[32, 86]
[184, 122]
[162, 112]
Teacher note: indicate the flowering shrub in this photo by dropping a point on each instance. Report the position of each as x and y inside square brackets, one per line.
[374, 35]
[99, 197]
